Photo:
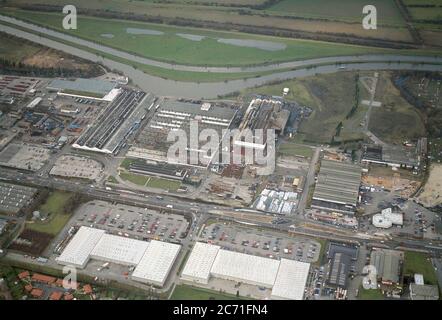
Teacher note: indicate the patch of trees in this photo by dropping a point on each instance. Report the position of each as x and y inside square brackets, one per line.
[20, 69]
[72, 203]
[356, 99]
[260, 6]
[432, 116]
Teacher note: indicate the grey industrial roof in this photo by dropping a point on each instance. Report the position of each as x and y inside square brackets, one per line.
[86, 85]
[400, 155]
[338, 182]
[387, 264]
[424, 292]
[193, 108]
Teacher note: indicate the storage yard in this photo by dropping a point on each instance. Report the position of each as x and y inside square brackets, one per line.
[285, 278]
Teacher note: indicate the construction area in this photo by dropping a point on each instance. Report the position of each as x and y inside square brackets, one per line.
[276, 279]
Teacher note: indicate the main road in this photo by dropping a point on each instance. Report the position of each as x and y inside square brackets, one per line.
[165, 87]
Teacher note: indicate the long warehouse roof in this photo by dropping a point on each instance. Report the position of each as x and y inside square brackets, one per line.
[338, 182]
[287, 278]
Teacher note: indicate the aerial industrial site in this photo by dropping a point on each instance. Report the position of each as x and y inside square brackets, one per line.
[257, 175]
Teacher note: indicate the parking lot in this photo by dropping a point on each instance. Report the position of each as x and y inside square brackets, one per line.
[129, 221]
[261, 243]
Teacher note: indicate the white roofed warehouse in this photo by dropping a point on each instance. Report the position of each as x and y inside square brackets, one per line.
[119, 250]
[200, 263]
[290, 281]
[243, 267]
[78, 251]
[156, 262]
[285, 278]
[152, 260]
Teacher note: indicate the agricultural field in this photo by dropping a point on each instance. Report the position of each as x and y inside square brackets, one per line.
[185, 292]
[344, 10]
[396, 120]
[310, 18]
[193, 46]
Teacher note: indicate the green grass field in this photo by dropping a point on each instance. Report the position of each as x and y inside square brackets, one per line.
[134, 178]
[370, 294]
[14, 49]
[173, 48]
[396, 120]
[292, 149]
[151, 182]
[56, 219]
[184, 292]
[416, 262]
[342, 10]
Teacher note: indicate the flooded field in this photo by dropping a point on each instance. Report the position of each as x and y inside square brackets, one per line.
[258, 44]
[192, 37]
[149, 32]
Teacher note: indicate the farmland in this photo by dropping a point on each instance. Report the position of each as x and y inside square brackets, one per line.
[167, 43]
[344, 10]
[319, 16]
